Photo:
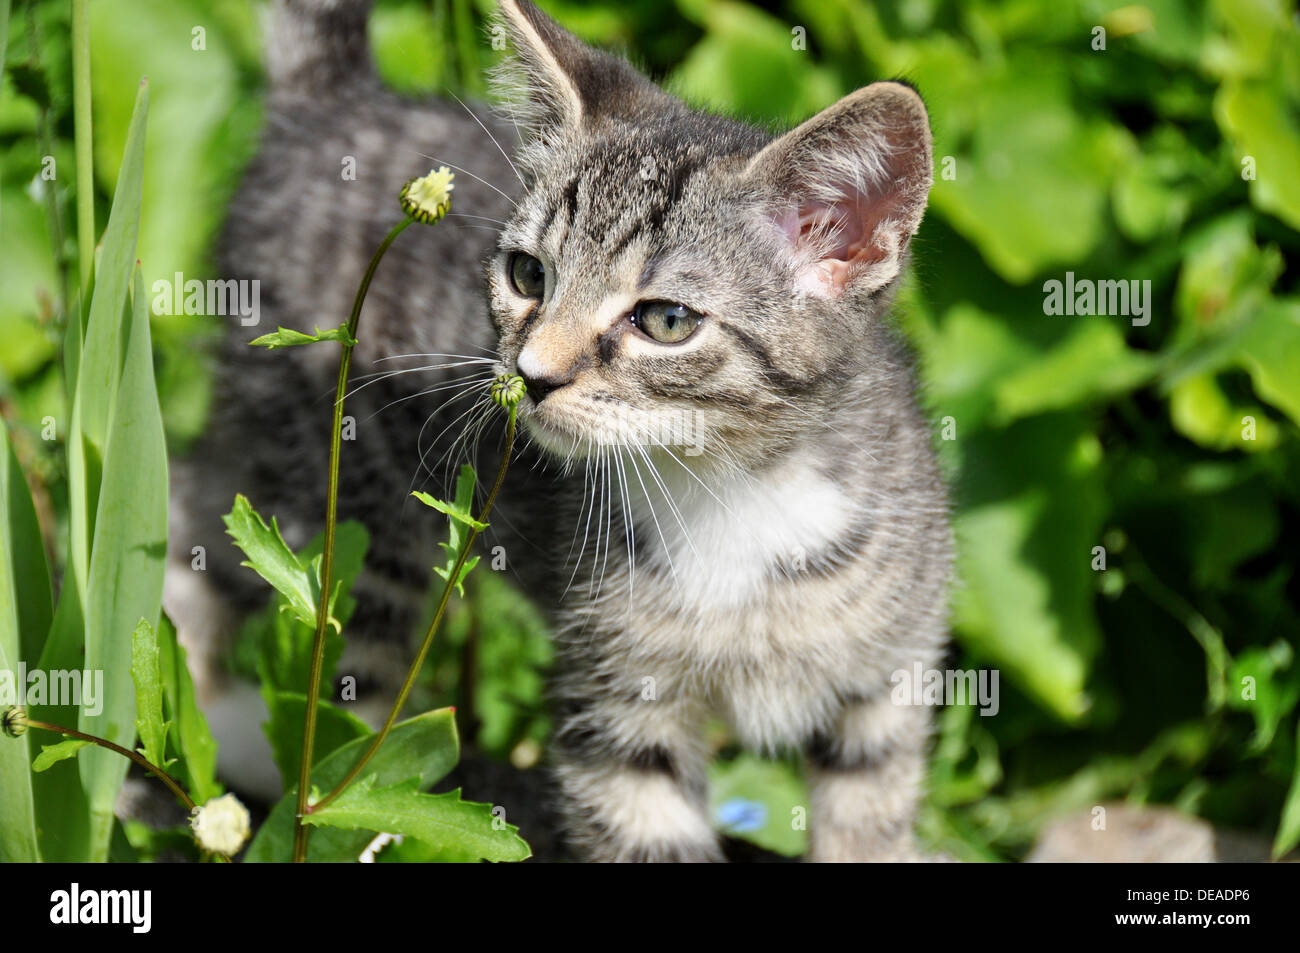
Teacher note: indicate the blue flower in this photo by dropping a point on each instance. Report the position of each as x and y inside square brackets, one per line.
[741, 816]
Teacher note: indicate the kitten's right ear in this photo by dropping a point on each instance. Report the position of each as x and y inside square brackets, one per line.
[853, 182]
[564, 83]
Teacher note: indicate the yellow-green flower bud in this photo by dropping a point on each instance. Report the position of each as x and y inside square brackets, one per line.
[14, 721]
[508, 390]
[427, 199]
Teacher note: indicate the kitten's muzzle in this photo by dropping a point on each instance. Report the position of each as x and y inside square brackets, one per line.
[539, 387]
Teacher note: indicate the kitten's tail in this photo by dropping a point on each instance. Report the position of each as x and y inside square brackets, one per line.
[318, 46]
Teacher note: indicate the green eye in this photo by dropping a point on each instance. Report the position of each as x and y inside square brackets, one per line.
[527, 275]
[666, 322]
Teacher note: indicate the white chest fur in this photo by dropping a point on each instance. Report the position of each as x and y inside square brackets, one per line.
[722, 539]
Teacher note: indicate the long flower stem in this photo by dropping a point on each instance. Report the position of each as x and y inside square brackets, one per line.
[300, 831]
[429, 634]
[81, 135]
[135, 756]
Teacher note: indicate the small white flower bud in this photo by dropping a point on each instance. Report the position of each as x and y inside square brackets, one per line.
[222, 825]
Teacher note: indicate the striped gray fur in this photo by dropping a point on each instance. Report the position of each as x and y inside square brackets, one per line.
[774, 565]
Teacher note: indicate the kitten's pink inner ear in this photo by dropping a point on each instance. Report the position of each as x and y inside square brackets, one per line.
[849, 235]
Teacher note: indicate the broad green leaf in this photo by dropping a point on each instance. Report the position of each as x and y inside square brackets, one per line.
[147, 675]
[126, 565]
[272, 559]
[335, 727]
[288, 337]
[1269, 350]
[759, 800]
[1030, 189]
[1200, 411]
[443, 821]
[718, 69]
[1259, 118]
[1029, 515]
[4, 33]
[426, 745]
[204, 129]
[1092, 362]
[191, 739]
[20, 547]
[52, 754]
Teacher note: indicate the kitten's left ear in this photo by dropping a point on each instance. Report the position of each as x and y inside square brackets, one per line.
[857, 176]
[565, 82]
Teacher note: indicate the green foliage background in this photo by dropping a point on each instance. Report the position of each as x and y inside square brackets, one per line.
[1173, 155]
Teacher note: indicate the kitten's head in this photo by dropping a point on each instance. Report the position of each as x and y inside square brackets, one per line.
[673, 277]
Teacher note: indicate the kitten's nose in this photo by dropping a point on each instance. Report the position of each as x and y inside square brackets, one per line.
[538, 387]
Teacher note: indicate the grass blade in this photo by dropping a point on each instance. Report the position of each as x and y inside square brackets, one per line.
[126, 565]
[17, 546]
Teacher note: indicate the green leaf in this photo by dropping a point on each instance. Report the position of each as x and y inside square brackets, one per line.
[443, 821]
[757, 800]
[191, 738]
[288, 711]
[52, 754]
[29, 573]
[426, 745]
[1030, 189]
[1030, 513]
[1260, 120]
[20, 547]
[288, 337]
[1264, 681]
[459, 520]
[1288, 831]
[272, 559]
[126, 566]
[147, 675]
[101, 357]
[453, 510]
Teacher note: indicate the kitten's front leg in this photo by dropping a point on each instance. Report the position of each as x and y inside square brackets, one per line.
[632, 774]
[865, 780]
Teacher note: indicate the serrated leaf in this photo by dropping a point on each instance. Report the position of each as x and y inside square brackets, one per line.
[191, 738]
[451, 509]
[147, 675]
[271, 558]
[459, 521]
[52, 754]
[426, 745]
[288, 337]
[335, 727]
[443, 821]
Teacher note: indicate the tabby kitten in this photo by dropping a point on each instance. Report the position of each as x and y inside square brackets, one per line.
[737, 509]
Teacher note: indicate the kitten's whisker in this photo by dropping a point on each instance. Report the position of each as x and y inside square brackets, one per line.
[464, 357]
[471, 175]
[463, 386]
[490, 136]
[654, 475]
[650, 503]
[587, 528]
[408, 370]
[482, 218]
